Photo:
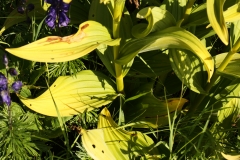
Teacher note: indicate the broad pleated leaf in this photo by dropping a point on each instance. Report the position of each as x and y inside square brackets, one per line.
[87, 90]
[93, 142]
[14, 17]
[216, 19]
[145, 110]
[228, 105]
[60, 49]
[125, 145]
[157, 18]
[173, 37]
[189, 69]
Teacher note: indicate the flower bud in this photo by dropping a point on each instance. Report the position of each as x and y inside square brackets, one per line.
[13, 72]
[30, 7]
[17, 85]
[5, 60]
[6, 97]
[20, 9]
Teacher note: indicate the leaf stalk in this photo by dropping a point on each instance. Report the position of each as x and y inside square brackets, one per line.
[117, 15]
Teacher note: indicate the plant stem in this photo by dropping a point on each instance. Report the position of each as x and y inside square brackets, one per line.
[187, 12]
[117, 14]
[215, 76]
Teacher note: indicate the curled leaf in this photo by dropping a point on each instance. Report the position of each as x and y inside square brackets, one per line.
[216, 19]
[172, 37]
[157, 18]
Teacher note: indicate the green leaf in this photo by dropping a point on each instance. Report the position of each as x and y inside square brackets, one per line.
[176, 8]
[216, 19]
[232, 69]
[78, 12]
[151, 110]
[150, 64]
[173, 37]
[60, 49]
[85, 91]
[157, 18]
[189, 69]
[198, 16]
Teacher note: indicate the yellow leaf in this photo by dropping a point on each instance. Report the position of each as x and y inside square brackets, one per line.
[123, 144]
[87, 90]
[90, 35]
[93, 142]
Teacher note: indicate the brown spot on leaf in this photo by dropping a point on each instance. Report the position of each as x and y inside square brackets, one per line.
[85, 26]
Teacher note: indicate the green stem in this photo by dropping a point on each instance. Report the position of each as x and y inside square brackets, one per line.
[215, 76]
[117, 15]
[187, 12]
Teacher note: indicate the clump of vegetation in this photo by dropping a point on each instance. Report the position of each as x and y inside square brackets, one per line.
[119, 79]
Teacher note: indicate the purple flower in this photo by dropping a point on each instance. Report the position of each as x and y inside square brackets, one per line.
[57, 12]
[13, 72]
[3, 82]
[20, 9]
[5, 60]
[6, 97]
[17, 85]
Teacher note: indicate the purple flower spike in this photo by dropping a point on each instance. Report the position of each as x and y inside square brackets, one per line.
[6, 97]
[57, 13]
[3, 82]
[63, 19]
[16, 86]
[5, 60]
[13, 72]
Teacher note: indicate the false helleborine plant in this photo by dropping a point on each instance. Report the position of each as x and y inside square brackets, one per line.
[173, 39]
